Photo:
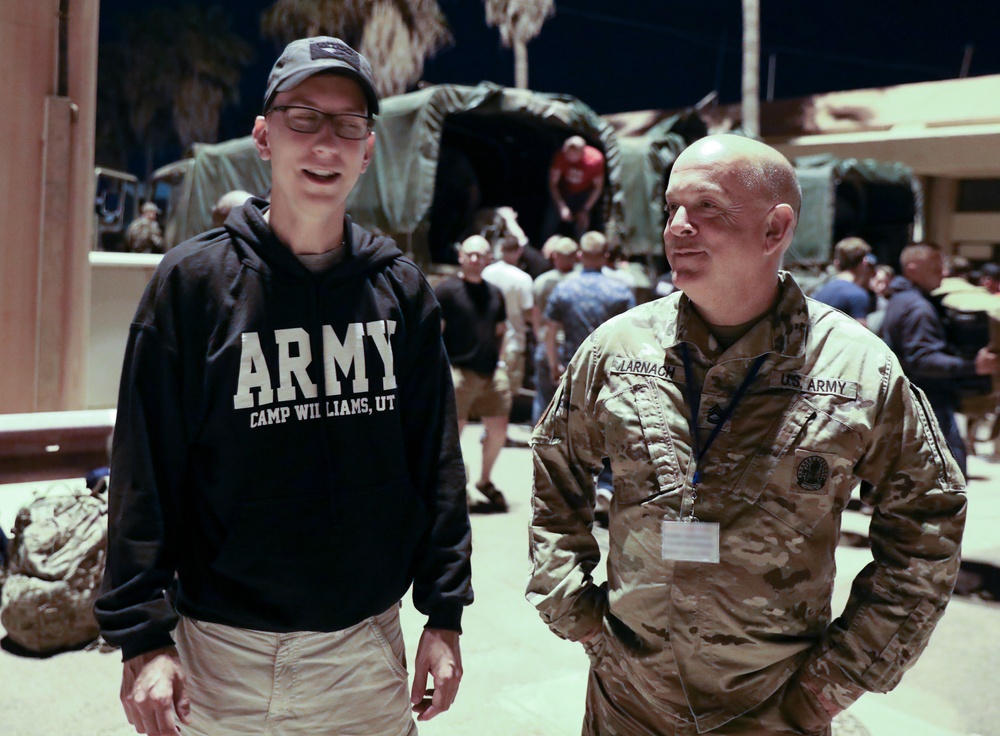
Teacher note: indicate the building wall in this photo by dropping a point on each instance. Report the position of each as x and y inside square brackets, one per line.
[46, 200]
[946, 131]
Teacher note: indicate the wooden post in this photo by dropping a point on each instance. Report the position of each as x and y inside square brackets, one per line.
[46, 201]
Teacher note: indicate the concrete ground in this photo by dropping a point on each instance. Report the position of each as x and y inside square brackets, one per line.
[520, 679]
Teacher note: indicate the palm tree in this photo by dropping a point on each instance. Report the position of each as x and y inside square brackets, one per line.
[180, 68]
[288, 20]
[519, 21]
[146, 77]
[751, 68]
[210, 59]
[397, 36]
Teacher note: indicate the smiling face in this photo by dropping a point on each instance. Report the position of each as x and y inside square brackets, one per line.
[726, 230]
[314, 169]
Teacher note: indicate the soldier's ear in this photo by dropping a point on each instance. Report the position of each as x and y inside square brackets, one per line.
[779, 229]
[260, 138]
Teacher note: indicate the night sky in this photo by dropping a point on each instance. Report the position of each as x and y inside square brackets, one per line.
[659, 54]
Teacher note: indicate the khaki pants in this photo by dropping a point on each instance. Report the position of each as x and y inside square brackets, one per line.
[515, 360]
[345, 683]
[478, 395]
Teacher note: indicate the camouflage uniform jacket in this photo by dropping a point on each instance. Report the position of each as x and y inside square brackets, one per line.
[830, 405]
[144, 236]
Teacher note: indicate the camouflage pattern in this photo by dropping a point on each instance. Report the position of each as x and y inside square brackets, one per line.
[582, 302]
[830, 406]
[144, 236]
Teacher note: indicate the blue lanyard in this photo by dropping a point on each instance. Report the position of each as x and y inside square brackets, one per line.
[694, 405]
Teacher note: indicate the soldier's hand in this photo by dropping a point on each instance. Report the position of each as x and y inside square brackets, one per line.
[153, 691]
[987, 362]
[439, 656]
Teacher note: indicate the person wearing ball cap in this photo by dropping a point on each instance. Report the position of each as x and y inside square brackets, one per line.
[286, 462]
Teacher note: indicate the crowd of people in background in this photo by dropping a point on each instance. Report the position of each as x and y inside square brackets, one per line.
[911, 312]
[534, 319]
[534, 327]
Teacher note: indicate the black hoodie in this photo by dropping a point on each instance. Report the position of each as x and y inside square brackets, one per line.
[913, 329]
[286, 444]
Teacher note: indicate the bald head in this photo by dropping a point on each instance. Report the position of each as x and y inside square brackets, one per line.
[732, 207]
[917, 253]
[763, 171]
[227, 202]
[922, 264]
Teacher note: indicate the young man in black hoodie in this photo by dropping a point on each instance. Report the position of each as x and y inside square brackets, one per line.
[286, 459]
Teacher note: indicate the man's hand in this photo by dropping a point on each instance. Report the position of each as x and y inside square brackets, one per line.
[987, 362]
[565, 213]
[153, 690]
[438, 655]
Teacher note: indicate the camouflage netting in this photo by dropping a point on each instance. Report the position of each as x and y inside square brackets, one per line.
[56, 561]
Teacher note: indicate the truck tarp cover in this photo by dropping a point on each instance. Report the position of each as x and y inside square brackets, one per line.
[821, 176]
[646, 160]
[396, 192]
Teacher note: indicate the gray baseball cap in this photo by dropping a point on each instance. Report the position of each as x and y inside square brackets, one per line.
[307, 56]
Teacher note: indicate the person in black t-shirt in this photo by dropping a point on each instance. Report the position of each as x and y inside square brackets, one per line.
[473, 322]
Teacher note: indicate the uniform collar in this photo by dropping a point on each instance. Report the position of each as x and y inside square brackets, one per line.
[783, 332]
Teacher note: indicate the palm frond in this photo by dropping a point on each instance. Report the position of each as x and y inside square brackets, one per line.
[518, 21]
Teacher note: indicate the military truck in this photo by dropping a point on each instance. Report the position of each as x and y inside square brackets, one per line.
[441, 154]
[116, 204]
[879, 201]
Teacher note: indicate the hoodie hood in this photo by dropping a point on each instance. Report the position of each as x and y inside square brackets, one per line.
[260, 249]
[901, 283]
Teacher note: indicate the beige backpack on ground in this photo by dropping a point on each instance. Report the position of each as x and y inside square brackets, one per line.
[56, 563]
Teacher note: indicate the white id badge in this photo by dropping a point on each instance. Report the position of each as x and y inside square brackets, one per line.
[690, 541]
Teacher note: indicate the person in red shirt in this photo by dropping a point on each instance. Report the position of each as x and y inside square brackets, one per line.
[576, 180]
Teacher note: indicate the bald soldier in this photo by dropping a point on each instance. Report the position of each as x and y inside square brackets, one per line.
[738, 417]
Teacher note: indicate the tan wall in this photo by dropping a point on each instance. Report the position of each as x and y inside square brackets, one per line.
[117, 281]
[942, 197]
[46, 200]
[981, 227]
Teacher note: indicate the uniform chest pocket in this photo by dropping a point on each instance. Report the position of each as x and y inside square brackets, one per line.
[638, 443]
[809, 473]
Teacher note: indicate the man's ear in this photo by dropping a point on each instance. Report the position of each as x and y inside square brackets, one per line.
[779, 229]
[260, 138]
[369, 151]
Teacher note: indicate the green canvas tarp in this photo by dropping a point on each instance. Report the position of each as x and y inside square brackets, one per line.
[396, 193]
[877, 200]
[646, 161]
[213, 170]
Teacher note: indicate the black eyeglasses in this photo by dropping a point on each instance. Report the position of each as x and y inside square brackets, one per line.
[347, 125]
